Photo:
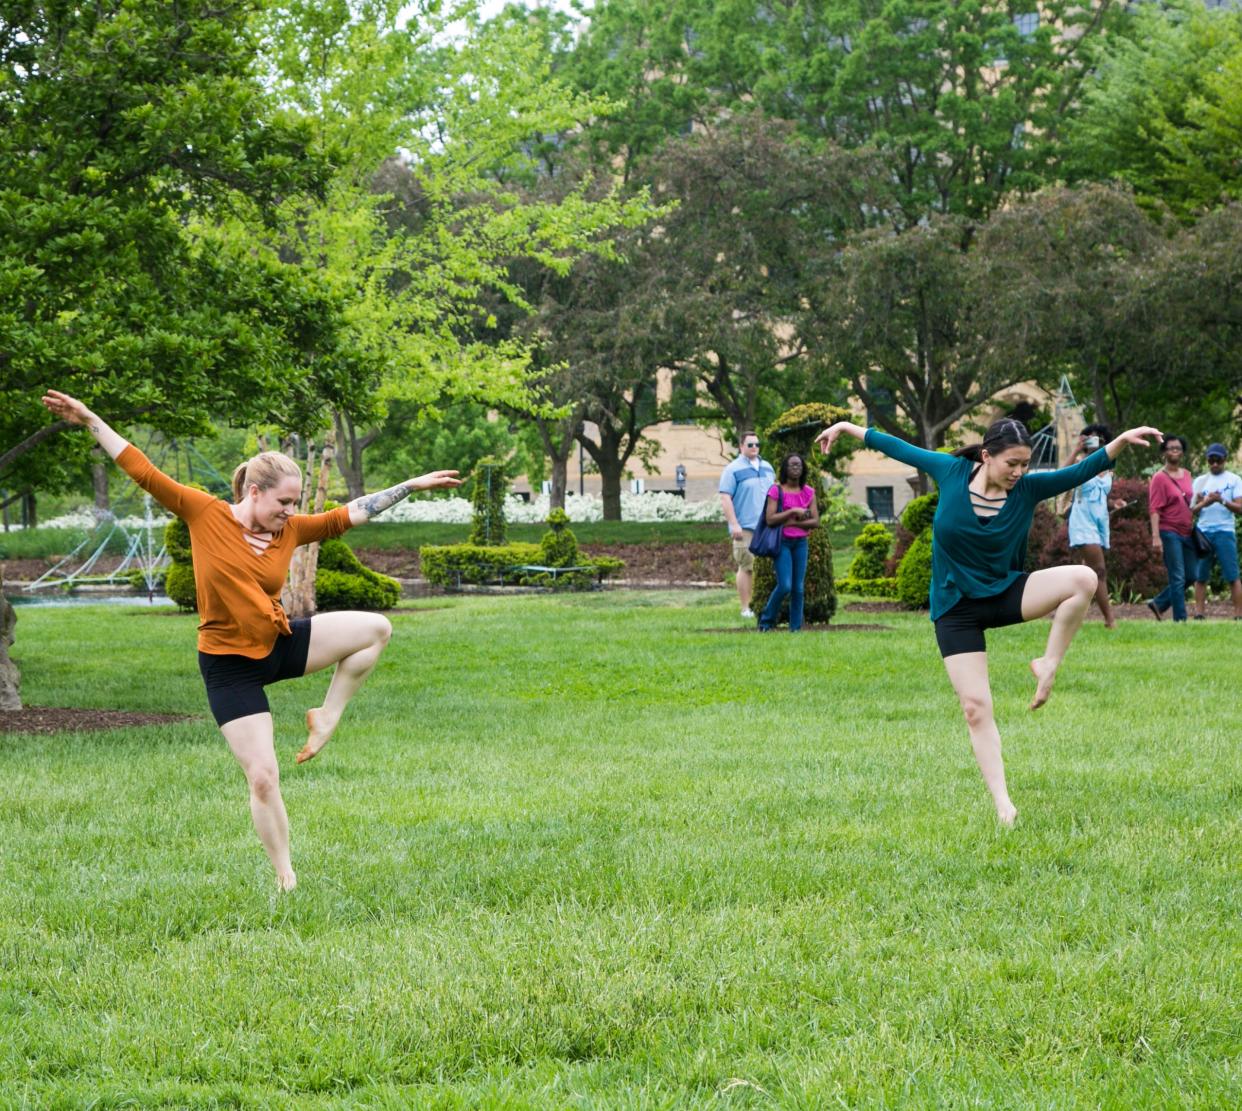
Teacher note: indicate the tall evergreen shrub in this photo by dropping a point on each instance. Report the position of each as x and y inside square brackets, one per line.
[488, 497]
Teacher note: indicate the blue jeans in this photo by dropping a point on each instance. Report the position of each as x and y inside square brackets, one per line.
[1224, 552]
[790, 566]
[1179, 558]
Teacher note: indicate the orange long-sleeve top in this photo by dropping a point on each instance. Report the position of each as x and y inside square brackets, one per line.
[238, 589]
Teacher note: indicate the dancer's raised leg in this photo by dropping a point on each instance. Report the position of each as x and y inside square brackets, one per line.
[250, 738]
[968, 672]
[1066, 593]
[353, 642]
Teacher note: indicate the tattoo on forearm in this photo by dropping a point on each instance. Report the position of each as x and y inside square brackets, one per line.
[372, 504]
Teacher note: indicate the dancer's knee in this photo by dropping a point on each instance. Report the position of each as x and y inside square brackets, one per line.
[264, 783]
[977, 709]
[383, 630]
[1085, 580]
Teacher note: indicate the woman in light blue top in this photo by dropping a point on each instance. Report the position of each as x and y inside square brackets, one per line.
[987, 501]
[1088, 518]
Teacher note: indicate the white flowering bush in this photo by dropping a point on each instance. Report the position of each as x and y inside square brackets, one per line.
[579, 507]
[85, 519]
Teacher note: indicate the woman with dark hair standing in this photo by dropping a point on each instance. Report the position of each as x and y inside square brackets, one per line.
[1088, 517]
[978, 582]
[241, 558]
[791, 507]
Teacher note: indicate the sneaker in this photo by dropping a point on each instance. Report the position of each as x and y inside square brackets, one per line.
[1155, 612]
[748, 613]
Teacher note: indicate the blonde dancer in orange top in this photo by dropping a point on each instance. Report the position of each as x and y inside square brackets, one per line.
[241, 558]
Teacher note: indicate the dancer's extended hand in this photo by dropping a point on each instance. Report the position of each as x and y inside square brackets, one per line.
[832, 433]
[435, 480]
[1136, 437]
[66, 408]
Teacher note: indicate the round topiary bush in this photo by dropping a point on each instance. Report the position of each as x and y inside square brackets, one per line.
[918, 515]
[914, 572]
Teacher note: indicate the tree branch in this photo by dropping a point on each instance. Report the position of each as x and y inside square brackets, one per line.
[31, 442]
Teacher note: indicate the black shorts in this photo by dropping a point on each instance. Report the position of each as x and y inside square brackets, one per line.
[235, 683]
[961, 628]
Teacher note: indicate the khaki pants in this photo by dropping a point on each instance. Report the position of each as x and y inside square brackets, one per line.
[741, 552]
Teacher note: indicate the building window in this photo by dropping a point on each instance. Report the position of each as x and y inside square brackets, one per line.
[880, 502]
[882, 404]
[1027, 24]
[684, 397]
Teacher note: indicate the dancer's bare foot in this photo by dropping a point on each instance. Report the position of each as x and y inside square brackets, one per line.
[1045, 675]
[1006, 813]
[319, 730]
[286, 882]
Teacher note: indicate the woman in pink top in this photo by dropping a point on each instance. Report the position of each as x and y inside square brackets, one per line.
[798, 514]
[1168, 500]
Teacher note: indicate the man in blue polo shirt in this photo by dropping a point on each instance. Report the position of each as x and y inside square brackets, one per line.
[743, 493]
[1218, 501]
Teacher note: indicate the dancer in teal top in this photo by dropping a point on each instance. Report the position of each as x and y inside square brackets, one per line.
[987, 502]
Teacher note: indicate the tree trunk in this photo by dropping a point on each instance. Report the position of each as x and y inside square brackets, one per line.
[30, 515]
[560, 481]
[349, 458]
[99, 478]
[10, 677]
[610, 474]
[298, 596]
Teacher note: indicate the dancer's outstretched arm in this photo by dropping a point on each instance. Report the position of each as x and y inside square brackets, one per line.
[1047, 484]
[364, 508]
[938, 464]
[71, 409]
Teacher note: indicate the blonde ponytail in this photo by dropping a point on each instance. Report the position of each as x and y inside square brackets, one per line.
[264, 470]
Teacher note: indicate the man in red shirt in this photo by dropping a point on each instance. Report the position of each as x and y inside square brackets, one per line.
[1168, 503]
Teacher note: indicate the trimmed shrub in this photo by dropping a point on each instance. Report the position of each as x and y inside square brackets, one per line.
[914, 573]
[343, 582]
[559, 546]
[491, 484]
[871, 550]
[915, 518]
[454, 564]
[179, 585]
[179, 582]
[880, 587]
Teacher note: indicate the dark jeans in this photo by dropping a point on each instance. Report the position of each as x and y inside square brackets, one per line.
[790, 566]
[1180, 561]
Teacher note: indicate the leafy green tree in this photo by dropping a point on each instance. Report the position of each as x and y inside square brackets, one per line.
[1164, 111]
[434, 135]
[120, 122]
[1144, 318]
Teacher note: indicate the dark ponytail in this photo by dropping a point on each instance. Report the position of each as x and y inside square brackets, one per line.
[1001, 434]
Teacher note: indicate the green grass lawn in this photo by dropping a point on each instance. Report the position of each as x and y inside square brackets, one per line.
[584, 852]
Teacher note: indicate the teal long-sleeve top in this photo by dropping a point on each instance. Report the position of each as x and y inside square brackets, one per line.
[974, 557]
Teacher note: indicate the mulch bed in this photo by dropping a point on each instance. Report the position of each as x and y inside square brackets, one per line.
[54, 719]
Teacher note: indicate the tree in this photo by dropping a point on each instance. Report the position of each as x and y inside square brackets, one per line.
[1164, 111]
[758, 215]
[1143, 316]
[120, 122]
[435, 136]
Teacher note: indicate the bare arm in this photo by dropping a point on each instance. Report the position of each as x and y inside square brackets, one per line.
[72, 410]
[364, 508]
[726, 503]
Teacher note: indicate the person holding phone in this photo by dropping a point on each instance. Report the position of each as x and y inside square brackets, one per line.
[1088, 518]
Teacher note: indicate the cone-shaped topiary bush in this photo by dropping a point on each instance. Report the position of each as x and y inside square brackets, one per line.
[795, 431]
